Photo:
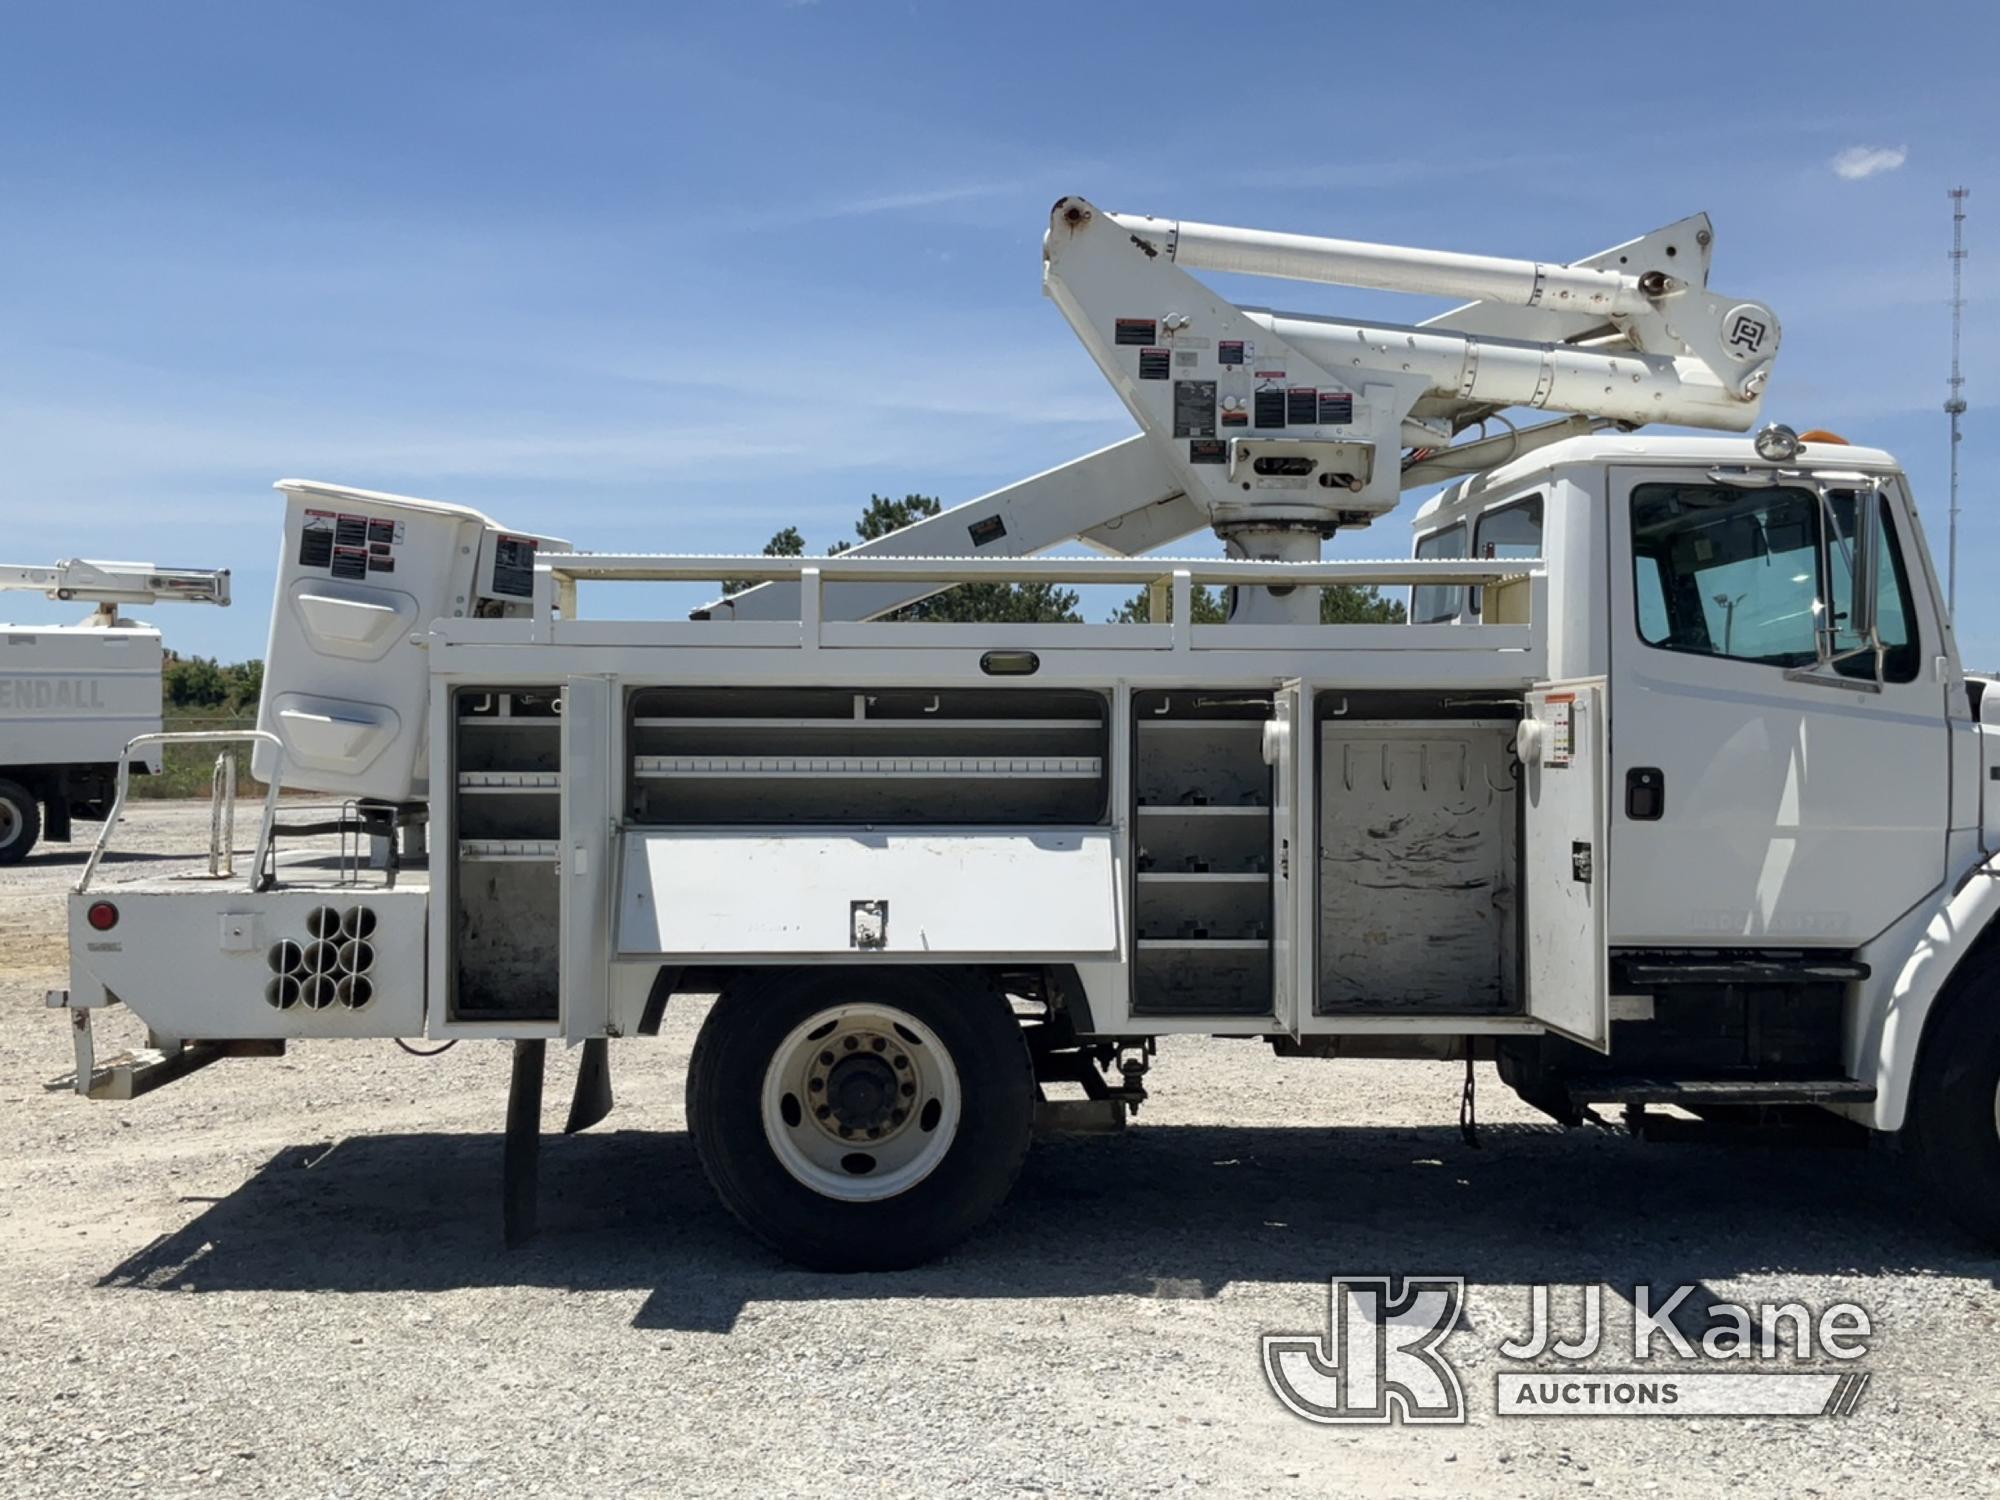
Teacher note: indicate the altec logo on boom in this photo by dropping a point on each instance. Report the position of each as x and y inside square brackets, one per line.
[1382, 1359]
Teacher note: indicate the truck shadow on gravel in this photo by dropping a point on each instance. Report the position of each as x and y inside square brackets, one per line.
[1166, 1211]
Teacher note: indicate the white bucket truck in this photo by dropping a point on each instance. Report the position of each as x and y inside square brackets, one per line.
[73, 696]
[1673, 791]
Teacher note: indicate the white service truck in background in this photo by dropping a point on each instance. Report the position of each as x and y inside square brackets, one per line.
[72, 696]
[1671, 793]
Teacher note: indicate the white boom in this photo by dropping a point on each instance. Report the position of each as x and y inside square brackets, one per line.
[1276, 429]
[110, 584]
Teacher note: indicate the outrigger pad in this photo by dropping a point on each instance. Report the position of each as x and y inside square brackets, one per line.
[520, 1170]
[592, 1100]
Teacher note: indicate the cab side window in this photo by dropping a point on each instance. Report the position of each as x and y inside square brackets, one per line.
[1438, 603]
[1513, 530]
[1722, 571]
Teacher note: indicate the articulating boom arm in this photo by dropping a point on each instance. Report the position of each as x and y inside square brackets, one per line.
[1262, 423]
[1286, 421]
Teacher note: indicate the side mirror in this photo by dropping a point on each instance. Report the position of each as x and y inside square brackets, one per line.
[1861, 551]
[1867, 562]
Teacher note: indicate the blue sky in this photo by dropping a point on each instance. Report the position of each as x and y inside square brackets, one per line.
[667, 278]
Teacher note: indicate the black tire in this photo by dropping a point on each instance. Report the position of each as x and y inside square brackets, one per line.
[1954, 1097]
[726, 1076]
[20, 822]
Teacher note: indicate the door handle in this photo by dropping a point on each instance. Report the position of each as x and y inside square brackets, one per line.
[1645, 794]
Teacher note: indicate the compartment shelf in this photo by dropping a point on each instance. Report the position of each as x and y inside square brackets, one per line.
[514, 721]
[507, 851]
[710, 722]
[906, 767]
[1205, 810]
[1205, 877]
[1206, 945]
[510, 781]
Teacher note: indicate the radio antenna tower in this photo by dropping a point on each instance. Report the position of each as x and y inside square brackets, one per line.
[1954, 402]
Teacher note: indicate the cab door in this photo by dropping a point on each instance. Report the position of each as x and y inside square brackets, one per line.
[1564, 879]
[589, 815]
[1758, 801]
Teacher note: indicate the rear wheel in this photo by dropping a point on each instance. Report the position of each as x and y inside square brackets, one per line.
[861, 1119]
[20, 822]
[1955, 1099]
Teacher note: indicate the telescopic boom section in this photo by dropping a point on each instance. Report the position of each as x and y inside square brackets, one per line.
[112, 583]
[1395, 268]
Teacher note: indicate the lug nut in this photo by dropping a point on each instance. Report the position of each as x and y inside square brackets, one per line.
[815, 1085]
[897, 1116]
[851, 1043]
[822, 1112]
[909, 1090]
[826, 1059]
[901, 1061]
[878, 1044]
[846, 1131]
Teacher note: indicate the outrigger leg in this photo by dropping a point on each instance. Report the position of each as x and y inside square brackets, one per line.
[520, 1170]
[521, 1159]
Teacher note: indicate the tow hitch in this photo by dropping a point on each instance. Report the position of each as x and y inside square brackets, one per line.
[128, 1074]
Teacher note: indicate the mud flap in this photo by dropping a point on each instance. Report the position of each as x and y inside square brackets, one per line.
[592, 1100]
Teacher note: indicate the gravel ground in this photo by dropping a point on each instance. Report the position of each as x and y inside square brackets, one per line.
[284, 1276]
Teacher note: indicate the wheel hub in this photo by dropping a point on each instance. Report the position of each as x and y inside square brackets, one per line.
[861, 1101]
[861, 1091]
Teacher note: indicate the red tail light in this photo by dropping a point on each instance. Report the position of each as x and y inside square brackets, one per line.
[102, 915]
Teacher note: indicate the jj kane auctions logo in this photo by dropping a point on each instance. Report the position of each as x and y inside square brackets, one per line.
[1381, 1357]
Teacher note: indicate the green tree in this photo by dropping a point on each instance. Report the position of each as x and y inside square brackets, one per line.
[1351, 604]
[244, 683]
[991, 603]
[1210, 608]
[1339, 604]
[988, 603]
[195, 682]
[786, 543]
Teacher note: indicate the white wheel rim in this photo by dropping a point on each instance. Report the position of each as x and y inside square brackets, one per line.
[879, 1074]
[11, 822]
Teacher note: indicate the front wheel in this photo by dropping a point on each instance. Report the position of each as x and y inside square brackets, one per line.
[861, 1119]
[1955, 1099]
[20, 822]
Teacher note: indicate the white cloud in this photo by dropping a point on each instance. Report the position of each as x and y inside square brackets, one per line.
[1857, 162]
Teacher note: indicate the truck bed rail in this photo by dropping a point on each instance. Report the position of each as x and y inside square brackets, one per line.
[217, 791]
[1170, 580]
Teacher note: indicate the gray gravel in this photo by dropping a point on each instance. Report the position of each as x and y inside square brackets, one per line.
[284, 1276]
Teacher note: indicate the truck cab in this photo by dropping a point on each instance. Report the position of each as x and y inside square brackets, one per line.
[1750, 719]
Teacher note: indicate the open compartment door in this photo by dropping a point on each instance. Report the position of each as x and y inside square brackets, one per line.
[1281, 753]
[589, 814]
[1566, 939]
